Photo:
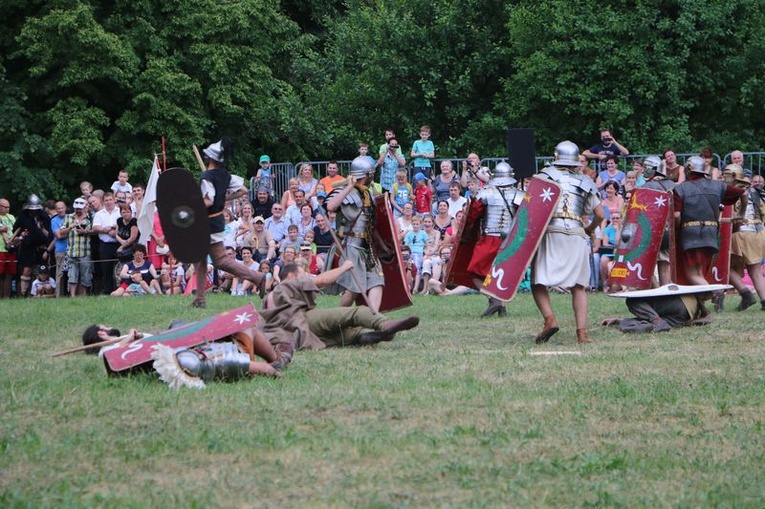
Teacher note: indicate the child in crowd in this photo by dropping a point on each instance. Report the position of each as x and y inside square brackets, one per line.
[409, 269]
[86, 188]
[293, 238]
[423, 151]
[171, 275]
[309, 237]
[264, 176]
[268, 282]
[364, 152]
[122, 184]
[44, 285]
[472, 188]
[423, 196]
[402, 193]
[416, 240]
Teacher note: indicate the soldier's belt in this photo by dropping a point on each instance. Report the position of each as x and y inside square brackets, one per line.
[356, 235]
[567, 215]
[751, 221]
[698, 223]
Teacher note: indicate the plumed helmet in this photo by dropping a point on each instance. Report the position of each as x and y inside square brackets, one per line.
[362, 166]
[654, 165]
[504, 170]
[215, 151]
[566, 154]
[732, 173]
[34, 203]
[695, 164]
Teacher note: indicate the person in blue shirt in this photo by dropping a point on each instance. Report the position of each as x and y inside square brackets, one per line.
[423, 151]
[416, 240]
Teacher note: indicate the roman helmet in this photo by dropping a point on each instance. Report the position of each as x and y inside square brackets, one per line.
[654, 165]
[362, 166]
[733, 173]
[695, 164]
[566, 154]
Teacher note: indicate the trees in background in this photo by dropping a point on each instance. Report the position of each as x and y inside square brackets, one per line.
[89, 87]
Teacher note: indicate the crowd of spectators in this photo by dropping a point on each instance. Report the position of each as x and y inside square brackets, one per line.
[93, 246]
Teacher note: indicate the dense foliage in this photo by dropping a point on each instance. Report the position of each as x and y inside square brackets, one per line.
[88, 87]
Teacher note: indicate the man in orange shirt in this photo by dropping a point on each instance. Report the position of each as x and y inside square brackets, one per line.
[332, 177]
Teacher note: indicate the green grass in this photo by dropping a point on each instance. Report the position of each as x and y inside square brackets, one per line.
[453, 414]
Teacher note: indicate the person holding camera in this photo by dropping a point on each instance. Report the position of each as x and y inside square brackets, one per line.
[608, 146]
[389, 162]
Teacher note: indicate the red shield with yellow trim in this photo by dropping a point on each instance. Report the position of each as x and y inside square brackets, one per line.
[137, 355]
[517, 250]
[637, 250]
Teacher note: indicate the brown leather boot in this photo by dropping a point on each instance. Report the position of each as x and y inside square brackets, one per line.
[550, 328]
[582, 337]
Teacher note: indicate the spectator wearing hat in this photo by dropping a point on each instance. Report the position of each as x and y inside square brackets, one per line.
[44, 285]
[313, 262]
[333, 175]
[264, 177]
[260, 240]
[77, 229]
[58, 246]
[423, 196]
[263, 203]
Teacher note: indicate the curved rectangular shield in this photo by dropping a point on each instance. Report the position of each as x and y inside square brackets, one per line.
[518, 249]
[387, 248]
[637, 250]
[137, 355]
[465, 237]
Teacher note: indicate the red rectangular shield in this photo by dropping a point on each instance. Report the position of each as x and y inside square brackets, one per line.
[518, 249]
[465, 237]
[637, 250]
[387, 248]
[138, 353]
[719, 271]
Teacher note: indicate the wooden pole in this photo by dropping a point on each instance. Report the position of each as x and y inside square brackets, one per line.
[199, 158]
[91, 346]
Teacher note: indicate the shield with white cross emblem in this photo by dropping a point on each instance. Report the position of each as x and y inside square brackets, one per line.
[518, 249]
[136, 356]
[637, 249]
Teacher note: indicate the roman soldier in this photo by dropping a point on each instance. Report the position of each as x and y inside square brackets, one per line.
[496, 204]
[355, 205]
[218, 186]
[563, 257]
[748, 242]
[697, 211]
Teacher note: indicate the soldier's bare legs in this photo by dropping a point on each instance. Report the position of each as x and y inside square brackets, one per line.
[694, 275]
[542, 300]
[221, 260]
[373, 298]
[579, 301]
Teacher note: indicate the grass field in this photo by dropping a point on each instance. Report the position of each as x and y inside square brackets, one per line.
[457, 413]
